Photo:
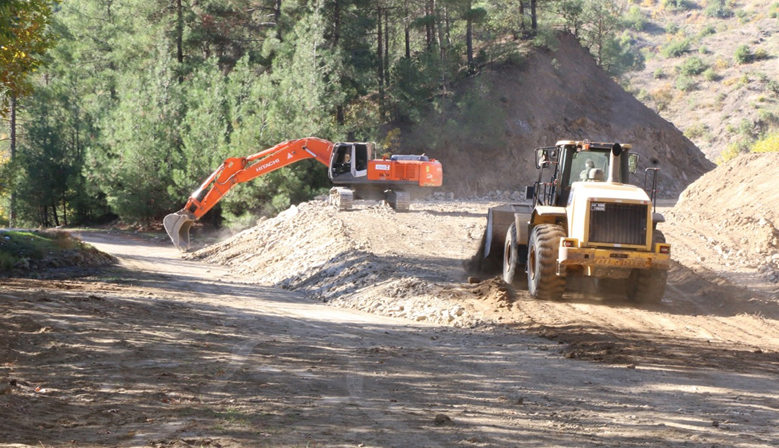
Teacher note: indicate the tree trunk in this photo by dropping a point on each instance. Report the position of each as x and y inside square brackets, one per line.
[64, 211]
[406, 31]
[533, 15]
[386, 47]
[277, 19]
[12, 213]
[522, 17]
[469, 36]
[54, 212]
[179, 38]
[337, 23]
[380, 54]
[429, 23]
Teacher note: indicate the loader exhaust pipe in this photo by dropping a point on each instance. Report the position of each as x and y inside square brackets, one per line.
[177, 226]
[615, 164]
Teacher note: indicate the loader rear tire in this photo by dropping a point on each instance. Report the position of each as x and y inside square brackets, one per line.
[647, 286]
[510, 255]
[542, 279]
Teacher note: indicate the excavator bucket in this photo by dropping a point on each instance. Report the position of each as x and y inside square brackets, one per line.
[177, 225]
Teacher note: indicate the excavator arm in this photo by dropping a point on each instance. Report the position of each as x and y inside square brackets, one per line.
[236, 170]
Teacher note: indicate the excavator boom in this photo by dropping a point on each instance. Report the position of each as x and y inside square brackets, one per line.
[237, 170]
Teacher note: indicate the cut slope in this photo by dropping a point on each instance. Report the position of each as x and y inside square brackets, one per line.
[727, 221]
[556, 95]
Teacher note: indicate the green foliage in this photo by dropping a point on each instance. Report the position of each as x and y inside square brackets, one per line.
[760, 54]
[18, 245]
[718, 9]
[635, 18]
[710, 75]
[676, 5]
[773, 86]
[24, 38]
[707, 30]
[743, 54]
[658, 73]
[685, 83]
[672, 28]
[676, 48]
[692, 66]
[696, 131]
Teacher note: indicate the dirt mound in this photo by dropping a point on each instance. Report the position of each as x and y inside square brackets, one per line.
[727, 221]
[25, 252]
[396, 264]
[559, 95]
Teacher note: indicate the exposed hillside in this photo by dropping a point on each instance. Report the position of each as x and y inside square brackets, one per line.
[697, 77]
[563, 94]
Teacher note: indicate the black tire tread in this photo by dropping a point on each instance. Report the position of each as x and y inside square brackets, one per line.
[649, 284]
[548, 285]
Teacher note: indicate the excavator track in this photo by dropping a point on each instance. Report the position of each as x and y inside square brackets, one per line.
[341, 198]
[398, 200]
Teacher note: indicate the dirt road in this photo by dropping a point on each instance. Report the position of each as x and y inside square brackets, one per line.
[163, 352]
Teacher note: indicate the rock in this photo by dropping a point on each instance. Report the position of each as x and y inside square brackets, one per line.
[474, 280]
[450, 196]
[441, 419]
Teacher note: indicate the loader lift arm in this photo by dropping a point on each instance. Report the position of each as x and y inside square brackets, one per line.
[235, 170]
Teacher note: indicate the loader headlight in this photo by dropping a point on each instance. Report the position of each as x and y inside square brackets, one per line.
[664, 249]
[568, 242]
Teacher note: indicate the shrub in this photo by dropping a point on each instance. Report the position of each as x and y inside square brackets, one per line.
[769, 143]
[676, 48]
[717, 9]
[635, 18]
[773, 86]
[760, 54]
[707, 30]
[732, 151]
[685, 83]
[743, 55]
[696, 131]
[672, 28]
[659, 74]
[710, 75]
[721, 63]
[703, 50]
[662, 97]
[693, 66]
[676, 5]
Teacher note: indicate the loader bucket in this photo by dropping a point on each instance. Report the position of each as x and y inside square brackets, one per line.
[177, 225]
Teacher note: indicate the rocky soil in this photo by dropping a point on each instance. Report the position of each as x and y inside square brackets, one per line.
[727, 222]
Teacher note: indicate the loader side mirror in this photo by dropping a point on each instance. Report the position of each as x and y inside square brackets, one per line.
[530, 192]
[541, 158]
[633, 163]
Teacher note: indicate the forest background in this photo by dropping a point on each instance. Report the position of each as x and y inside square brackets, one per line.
[120, 108]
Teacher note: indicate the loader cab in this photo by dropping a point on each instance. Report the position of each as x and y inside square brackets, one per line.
[350, 160]
[568, 162]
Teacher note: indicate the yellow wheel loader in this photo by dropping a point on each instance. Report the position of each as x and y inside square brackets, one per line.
[587, 229]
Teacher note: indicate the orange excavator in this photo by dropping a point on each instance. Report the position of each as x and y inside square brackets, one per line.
[351, 168]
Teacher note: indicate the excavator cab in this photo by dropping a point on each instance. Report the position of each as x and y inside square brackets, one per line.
[350, 160]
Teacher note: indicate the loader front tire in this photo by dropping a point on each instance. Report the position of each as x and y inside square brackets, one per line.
[647, 286]
[510, 256]
[542, 279]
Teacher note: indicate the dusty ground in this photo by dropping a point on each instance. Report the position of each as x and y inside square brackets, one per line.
[163, 352]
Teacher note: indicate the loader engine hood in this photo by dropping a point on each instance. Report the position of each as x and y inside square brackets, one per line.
[609, 214]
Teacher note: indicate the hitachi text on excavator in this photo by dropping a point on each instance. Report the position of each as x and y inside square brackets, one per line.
[351, 168]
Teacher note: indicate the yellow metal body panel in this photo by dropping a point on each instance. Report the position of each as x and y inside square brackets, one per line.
[583, 194]
[592, 257]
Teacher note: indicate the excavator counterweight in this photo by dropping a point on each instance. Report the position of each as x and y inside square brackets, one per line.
[351, 170]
